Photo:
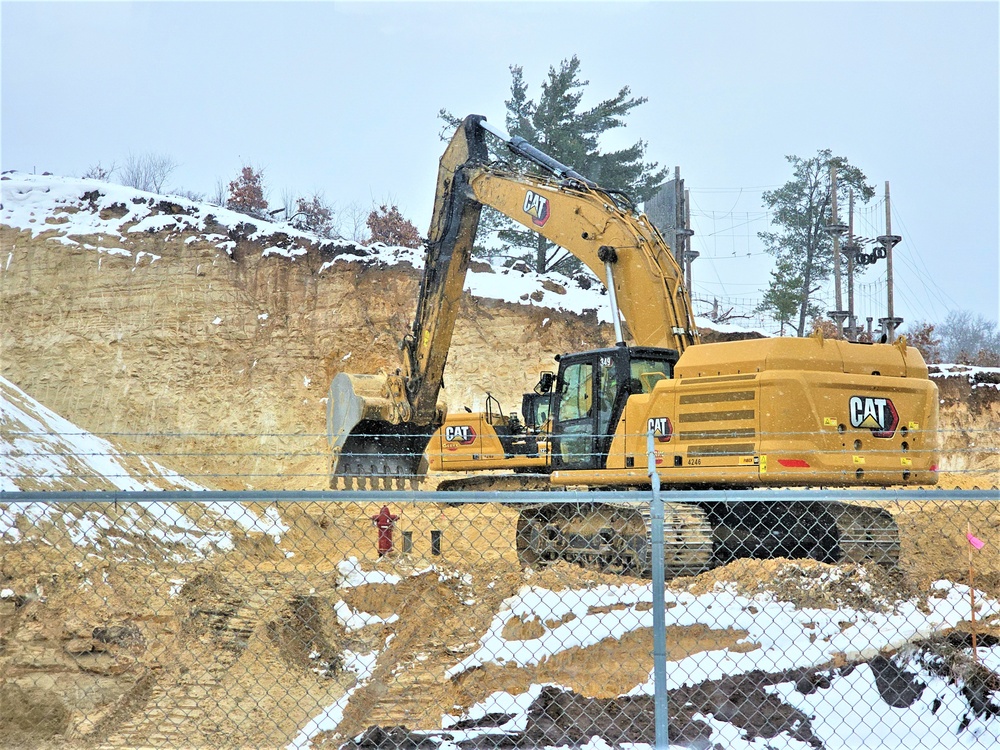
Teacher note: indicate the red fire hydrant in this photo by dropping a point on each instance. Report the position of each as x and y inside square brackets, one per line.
[384, 522]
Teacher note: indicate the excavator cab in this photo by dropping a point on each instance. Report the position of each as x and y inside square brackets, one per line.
[591, 391]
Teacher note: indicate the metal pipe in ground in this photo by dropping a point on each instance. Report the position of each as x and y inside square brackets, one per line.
[660, 720]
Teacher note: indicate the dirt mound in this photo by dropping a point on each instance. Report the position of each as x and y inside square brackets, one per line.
[583, 670]
[807, 583]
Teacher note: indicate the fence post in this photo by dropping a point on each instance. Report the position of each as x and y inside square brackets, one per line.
[660, 719]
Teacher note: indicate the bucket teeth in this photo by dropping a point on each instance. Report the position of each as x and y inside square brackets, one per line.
[371, 476]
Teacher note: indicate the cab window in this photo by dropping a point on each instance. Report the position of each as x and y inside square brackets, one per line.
[649, 372]
[575, 400]
[608, 390]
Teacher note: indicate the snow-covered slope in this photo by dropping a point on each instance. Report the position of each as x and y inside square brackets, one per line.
[39, 450]
[978, 377]
[100, 216]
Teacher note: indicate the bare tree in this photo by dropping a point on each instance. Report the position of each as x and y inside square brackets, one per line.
[220, 193]
[968, 338]
[191, 195]
[100, 172]
[288, 199]
[147, 172]
[352, 222]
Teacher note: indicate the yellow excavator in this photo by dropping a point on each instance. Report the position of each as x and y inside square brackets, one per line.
[784, 412]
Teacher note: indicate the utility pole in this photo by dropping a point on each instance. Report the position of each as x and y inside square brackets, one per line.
[850, 249]
[678, 218]
[889, 240]
[835, 229]
[689, 254]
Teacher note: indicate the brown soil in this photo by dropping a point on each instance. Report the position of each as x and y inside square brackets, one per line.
[242, 649]
[574, 668]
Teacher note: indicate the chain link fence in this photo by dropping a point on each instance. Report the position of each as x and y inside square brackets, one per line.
[403, 620]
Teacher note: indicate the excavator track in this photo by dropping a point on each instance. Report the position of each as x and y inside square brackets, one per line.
[614, 537]
[497, 483]
[866, 534]
[830, 532]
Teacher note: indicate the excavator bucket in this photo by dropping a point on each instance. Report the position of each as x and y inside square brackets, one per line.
[371, 446]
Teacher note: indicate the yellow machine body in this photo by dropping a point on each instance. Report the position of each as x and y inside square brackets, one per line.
[799, 412]
[471, 442]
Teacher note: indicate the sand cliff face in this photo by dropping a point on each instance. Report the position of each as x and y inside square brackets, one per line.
[207, 351]
[183, 350]
[206, 339]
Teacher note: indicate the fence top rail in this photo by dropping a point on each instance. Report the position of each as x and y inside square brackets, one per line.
[508, 497]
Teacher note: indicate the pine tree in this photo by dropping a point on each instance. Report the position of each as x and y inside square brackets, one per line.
[802, 246]
[781, 299]
[558, 126]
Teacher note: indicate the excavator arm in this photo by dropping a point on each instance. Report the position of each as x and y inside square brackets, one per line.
[379, 426]
[623, 250]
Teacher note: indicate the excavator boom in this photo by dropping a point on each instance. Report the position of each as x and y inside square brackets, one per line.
[379, 426]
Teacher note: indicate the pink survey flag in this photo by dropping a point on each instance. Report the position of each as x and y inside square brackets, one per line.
[975, 541]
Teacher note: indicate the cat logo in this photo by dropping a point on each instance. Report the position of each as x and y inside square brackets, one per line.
[661, 427]
[876, 414]
[537, 207]
[462, 434]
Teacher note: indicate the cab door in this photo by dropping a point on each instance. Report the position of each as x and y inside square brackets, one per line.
[585, 406]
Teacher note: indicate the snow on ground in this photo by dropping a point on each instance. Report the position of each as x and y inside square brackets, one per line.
[79, 211]
[352, 575]
[978, 377]
[39, 447]
[329, 719]
[920, 725]
[41, 450]
[787, 638]
[353, 620]
[33, 202]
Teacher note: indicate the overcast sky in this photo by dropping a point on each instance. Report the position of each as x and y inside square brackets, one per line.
[343, 98]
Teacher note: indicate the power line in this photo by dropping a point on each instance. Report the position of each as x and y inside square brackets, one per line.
[733, 189]
[911, 250]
